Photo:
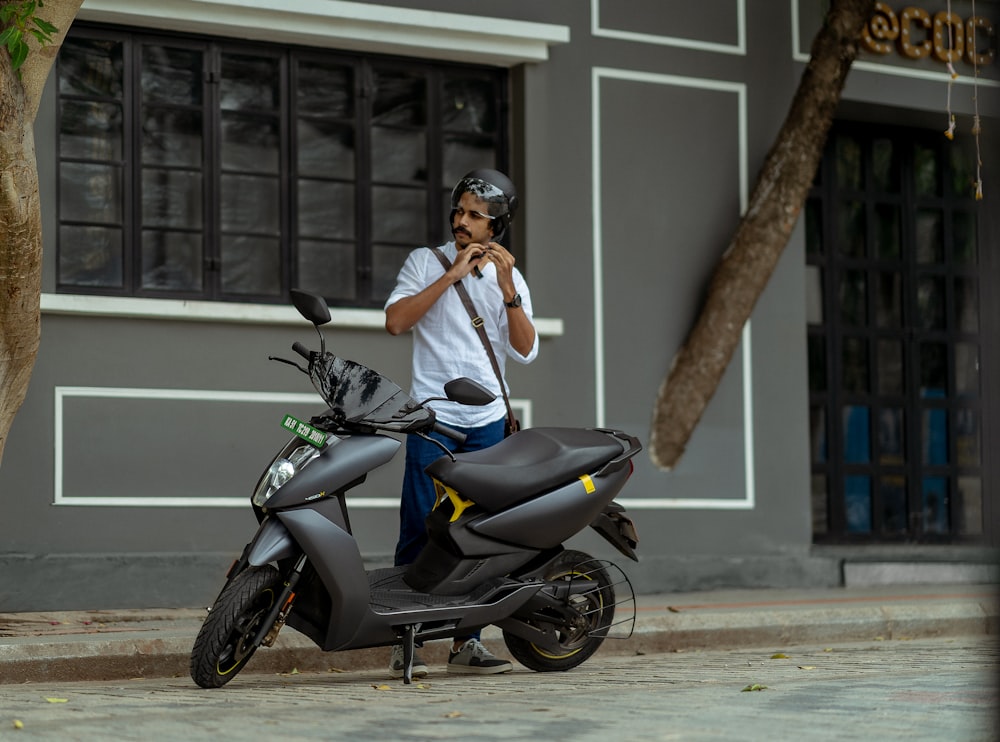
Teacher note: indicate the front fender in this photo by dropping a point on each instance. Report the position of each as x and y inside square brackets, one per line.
[271, 543]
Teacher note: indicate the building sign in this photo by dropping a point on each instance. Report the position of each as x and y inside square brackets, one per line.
[945, 37]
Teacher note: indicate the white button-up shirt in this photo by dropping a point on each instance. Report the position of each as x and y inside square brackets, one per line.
[447, 346]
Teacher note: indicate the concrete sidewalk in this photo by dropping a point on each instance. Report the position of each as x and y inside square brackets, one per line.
[123, 644]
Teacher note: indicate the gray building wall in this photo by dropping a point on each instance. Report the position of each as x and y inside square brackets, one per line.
[636, 145]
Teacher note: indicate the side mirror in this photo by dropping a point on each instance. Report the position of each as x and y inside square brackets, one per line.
[467, 391]
[310, 306]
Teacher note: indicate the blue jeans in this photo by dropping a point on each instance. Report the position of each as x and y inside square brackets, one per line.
[418, 495]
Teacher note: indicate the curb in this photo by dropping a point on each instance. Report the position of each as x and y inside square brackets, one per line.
[163, 649]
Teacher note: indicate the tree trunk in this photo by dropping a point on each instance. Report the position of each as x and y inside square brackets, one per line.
[745, 268]
[20, 215]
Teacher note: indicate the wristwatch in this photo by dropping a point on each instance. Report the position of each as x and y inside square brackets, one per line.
[514, 303]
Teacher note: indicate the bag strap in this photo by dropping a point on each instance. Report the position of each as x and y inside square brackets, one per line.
[477, 322]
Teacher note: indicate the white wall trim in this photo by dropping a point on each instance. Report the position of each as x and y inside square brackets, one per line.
[350, 26]
[218, 311]
[740, 47]
[522, 408]
[599, 74]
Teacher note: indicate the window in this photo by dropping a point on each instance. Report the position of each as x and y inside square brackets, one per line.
[894, 339]
[214, 169]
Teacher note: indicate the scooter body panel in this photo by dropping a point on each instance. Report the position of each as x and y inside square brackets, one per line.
[334, 554]
[438, 618]
[547, 520]
[342, 462]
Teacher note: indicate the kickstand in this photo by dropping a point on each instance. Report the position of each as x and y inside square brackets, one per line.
[408, 640]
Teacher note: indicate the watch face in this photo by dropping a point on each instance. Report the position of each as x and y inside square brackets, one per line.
[515, 302]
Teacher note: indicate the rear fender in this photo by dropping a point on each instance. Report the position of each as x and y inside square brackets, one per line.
[617, 529]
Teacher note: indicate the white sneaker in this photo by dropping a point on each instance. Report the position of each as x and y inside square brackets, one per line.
[472, 658]
[396, 664]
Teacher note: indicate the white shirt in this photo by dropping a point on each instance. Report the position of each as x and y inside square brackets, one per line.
[447, 346]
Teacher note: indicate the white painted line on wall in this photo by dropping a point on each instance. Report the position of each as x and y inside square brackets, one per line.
[522, 408]
[598, 74]
[740, 47]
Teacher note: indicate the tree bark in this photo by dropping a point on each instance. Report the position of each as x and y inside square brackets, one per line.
[20, 214]
[745, 268]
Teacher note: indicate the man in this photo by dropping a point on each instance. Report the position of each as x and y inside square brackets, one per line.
[447, 346]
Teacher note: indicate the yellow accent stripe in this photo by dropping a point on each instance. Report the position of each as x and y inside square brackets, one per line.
[588, 484]
[444, 492]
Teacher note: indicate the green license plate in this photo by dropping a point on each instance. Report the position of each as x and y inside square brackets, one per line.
[305, 431]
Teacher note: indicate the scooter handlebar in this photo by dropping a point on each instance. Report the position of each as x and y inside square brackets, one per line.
[301, 350]
[449, 432]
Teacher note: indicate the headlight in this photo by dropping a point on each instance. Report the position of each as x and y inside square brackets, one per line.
[281, 471]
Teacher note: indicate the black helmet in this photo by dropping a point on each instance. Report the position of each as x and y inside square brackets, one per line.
[495, 189]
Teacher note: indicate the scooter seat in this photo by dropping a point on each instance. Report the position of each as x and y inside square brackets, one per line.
[525, 464]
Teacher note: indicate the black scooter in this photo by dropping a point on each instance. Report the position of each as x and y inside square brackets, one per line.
[495, 553]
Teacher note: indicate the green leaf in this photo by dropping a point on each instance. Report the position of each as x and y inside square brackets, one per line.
[754, 687]
[19, 54]
[45, 26]
[7, 34]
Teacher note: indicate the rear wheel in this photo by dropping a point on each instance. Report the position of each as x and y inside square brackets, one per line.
[580, 631]
[225, 642]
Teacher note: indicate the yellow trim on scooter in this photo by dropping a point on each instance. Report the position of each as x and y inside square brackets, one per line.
[458, 504]
[588, 484]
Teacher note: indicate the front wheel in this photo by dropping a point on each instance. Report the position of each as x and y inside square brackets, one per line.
[225, 642]
[579, 631]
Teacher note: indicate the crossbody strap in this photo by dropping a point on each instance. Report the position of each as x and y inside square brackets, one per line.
[477, 322]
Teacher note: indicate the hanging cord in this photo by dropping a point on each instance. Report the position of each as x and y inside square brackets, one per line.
[952, 75]
[976, 125]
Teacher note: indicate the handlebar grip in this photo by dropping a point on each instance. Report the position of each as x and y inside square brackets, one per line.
[449, 432]
[301, 350]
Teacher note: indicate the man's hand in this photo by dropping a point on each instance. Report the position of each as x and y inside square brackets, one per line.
[504, 262]
[467, 259]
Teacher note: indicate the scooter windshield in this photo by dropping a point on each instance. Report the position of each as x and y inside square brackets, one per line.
[358, 394]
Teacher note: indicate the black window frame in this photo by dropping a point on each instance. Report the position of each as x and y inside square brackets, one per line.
[830, 395]
[367, 292]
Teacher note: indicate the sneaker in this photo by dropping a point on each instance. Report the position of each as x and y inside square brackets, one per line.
[473, 658]
[419, 669]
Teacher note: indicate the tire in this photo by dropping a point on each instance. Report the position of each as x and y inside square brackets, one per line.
[224, 643]
[579, 639]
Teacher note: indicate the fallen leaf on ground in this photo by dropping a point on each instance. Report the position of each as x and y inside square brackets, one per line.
[754, 686]
[57, 700]
[779, 656]
[382, 687]
[453, 714]
[807, 667]
[18, 724]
